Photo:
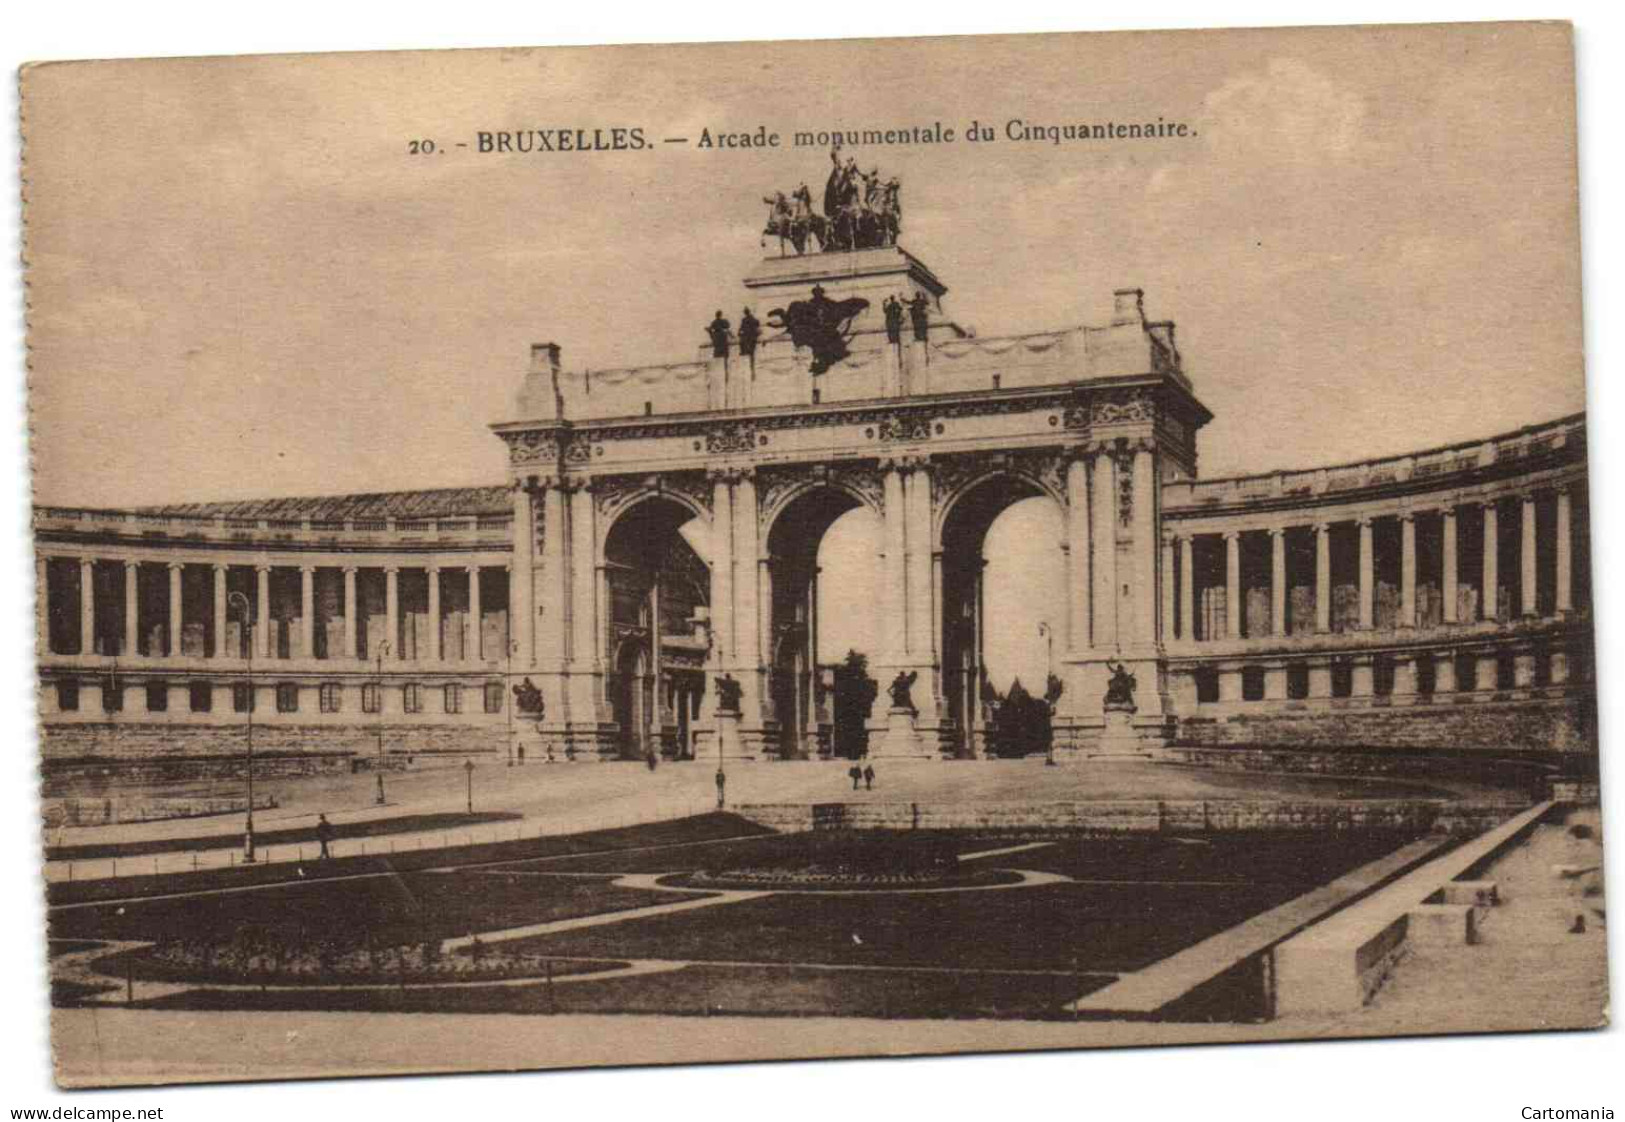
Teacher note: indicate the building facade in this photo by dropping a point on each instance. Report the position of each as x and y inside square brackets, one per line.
[1437, 600]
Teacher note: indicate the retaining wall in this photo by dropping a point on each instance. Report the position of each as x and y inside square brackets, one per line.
[1184, 816]
[1560, 724]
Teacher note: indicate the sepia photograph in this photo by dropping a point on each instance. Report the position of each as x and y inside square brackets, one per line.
[663, 554]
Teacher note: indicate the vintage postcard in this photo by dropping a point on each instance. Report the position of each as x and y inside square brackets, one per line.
[639, 555]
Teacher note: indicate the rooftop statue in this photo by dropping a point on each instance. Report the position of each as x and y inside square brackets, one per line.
[860, 211]
[819, 324]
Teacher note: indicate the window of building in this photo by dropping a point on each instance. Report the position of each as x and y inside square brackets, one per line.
[1382, 675]
[157, 697]
[1342, 678]
[412, 698]
[67, 697]
[1466, 673]
[371, 696]
[1506, 674]
[1207, 685]
[201, 696]
[1543, 667]
[454, 697]
[1427, 675]
[112, 695]
[242, 698]
[493, 697]
[287, 697]
[1252, 683]
[1297, 681]
[330, 697]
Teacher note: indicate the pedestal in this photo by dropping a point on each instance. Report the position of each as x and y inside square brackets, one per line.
[727, 734]
[901, 737]
[1119, 737]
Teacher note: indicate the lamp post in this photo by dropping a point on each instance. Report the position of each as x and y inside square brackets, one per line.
[383, 652]
[1048, 633]
[249, 856]
[508, 700]
[468, 767]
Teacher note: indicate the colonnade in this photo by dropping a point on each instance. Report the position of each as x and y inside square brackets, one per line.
[127, 640]
[1178, 549]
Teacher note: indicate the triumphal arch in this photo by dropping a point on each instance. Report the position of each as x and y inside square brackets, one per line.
[847, 384]
[647, 581]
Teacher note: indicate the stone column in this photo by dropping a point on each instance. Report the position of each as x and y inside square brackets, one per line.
[1232, 584]
[1187, 587]
[917, 532]
[1103, 537]
[1077, 554]
[1444, 673]
[1565, 555]
[392, 610]
[747, 618]
[42, 605]
[1448, 583]
[1145, 547]
[1529, 604]
[176, 568]
[1323, 577]
[1278, 585]
[1169, 588]
[471, 624]
[1367, 579]
[893, 604]
[219, 610]
[584, 580]
[1489, 597]
[1407, 569]
[262, 623]
[548, 642]
[132, 608]
[521, 580]
[87, 605]
[352, 612]
[722, 564]
[307, 611]
[433, 572]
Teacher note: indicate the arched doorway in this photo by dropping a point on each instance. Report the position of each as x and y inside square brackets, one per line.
[801, 672]
[658, 588]
[1026, 631]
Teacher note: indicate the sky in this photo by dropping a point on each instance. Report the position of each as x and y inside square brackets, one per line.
[242, 283]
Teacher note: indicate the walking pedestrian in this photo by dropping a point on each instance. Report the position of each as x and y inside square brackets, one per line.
[869, 777]
[324, 834]
[855, 773]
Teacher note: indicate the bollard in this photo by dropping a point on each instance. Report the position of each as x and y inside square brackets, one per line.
[70, 872]
[155, 865]
[115, 866]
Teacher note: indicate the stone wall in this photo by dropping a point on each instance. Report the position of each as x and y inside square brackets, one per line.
[1546, 726]
[112, 809]
[1182, 816]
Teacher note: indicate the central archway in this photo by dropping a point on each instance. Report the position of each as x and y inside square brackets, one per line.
[800, 673]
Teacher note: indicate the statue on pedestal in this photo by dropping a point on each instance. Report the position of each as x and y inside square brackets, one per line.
[1120, 690]
[919, 314]
[901, 690]
[750, 330]
[717, 329]
[728, 694]
[528, 699]
[893, 309]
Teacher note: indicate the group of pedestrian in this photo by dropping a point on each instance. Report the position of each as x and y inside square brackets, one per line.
[864, 775]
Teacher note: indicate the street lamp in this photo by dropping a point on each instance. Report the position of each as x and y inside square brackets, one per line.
[1048, 633]
[468, 766]
[383, 651]
[508, 700]
[248, 631]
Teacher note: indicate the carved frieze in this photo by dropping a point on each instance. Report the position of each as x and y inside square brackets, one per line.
[1113, 407]
[531, 448]
[904, 426]
[727, 439]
